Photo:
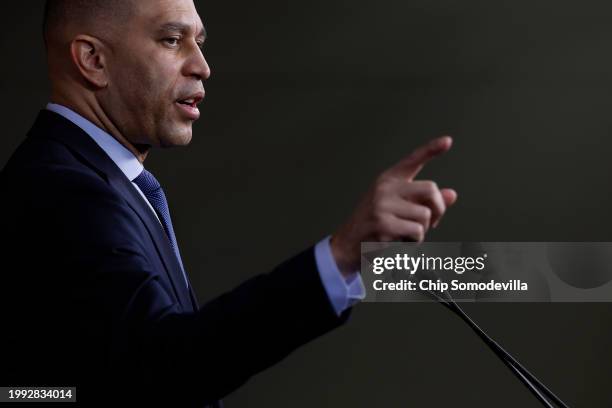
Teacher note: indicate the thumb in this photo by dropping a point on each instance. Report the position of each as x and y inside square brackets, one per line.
[449, 195]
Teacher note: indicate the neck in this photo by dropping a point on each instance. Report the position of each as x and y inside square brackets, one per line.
[93, 112]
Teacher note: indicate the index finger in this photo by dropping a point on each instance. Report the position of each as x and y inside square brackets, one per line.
[410, 166]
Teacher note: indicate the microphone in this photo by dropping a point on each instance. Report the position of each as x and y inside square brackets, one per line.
[539, 390]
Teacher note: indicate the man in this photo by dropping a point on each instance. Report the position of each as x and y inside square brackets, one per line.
[97, 296]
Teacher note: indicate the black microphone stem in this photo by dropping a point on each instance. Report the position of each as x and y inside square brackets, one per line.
[539, 390]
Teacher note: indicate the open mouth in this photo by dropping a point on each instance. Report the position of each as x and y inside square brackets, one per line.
[192, 100]
[189, 106]
[189, 102]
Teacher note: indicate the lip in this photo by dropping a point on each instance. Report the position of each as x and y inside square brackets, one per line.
[190, 111]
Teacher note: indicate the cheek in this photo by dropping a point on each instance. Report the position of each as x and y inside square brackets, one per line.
[160, 89]
[148, 86]
[147, 80]
[134, 87]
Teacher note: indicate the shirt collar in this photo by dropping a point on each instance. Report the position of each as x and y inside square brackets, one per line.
[123, 158]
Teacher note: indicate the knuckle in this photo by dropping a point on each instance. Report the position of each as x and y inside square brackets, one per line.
[385, 225]
[385, 175]
[426, 213]
[415, 232]
[431, 186]
[379, 208]
[383, 179]
[381, 188]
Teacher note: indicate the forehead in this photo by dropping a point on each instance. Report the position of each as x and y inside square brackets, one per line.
[154, 13]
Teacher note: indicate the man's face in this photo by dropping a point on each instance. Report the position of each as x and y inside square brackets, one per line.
[155, 74]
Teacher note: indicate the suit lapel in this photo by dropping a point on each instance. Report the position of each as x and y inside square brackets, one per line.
[51, 125]
[157, 233]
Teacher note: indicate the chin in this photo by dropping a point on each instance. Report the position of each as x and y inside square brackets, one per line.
[177, 138]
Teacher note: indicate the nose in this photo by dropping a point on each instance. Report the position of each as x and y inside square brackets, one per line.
[197, 66]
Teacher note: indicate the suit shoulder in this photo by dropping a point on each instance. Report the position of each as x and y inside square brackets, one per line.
[70, 204]
[45, 167]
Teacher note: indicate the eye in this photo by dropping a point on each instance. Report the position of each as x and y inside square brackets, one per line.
[172, 41]
[201, 44]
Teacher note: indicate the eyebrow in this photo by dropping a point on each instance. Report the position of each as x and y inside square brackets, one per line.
[182, 28]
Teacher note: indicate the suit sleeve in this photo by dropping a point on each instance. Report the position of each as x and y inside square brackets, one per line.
[191, 358]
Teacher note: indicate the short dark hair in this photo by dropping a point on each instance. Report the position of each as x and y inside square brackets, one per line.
[61, 12]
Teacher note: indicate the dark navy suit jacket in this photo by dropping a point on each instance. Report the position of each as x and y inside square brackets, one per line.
[93, 296]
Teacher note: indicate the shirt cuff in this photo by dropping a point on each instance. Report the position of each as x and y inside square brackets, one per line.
[342, 292]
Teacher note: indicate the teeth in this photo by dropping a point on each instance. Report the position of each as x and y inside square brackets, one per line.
[189, 101]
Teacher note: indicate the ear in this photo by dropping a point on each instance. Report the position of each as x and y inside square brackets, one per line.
[88, 55]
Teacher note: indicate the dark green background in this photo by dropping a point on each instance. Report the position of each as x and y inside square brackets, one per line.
[310, 100]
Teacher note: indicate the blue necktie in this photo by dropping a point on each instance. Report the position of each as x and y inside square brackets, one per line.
[151, 188]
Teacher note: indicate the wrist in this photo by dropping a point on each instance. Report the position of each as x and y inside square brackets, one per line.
[344, 261]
